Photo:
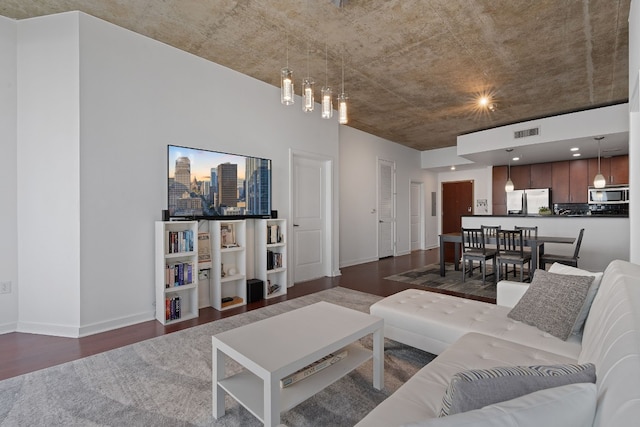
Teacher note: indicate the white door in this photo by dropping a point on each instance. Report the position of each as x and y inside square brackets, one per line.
[386, 208]
[309, 205]
[417, 217]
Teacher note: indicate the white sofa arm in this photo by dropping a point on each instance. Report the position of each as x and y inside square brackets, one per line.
[509, 293]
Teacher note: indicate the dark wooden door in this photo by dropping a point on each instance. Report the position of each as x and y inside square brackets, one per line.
[457, 200]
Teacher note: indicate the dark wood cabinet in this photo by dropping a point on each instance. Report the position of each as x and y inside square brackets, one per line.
[619, 170]
[521, 177]
[578, 185]
[560, 182]
[499, 196]
[614, 169]
[541, 175]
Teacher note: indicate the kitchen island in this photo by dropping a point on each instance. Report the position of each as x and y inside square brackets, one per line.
[605, 237]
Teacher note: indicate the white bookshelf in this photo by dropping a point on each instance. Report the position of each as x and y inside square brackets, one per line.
[229, 270]
[176, 251]
[271, 238]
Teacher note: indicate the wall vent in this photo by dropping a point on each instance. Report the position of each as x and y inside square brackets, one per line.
[526, 132]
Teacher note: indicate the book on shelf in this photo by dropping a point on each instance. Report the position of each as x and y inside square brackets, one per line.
[273, 234]
[178, 274]
[172, 308]
[180, 241]
[313, 368]
[227, 236]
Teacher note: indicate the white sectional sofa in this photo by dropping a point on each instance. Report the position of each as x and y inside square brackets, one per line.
[468, 334]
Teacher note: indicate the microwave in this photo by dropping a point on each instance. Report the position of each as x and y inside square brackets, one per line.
[598, 196]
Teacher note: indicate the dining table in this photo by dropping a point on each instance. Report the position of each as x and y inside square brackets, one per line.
[536, 243]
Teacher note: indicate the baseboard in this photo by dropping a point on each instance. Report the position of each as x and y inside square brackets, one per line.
[48, 329]
[5, 328]
[110, 325]
[82, 331]
[357, 262]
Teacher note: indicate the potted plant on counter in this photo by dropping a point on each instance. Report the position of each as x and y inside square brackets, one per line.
[544, 211]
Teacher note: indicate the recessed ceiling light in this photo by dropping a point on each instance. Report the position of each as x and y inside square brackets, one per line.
[453, 168]
[515, 159]
[575, 149]
[576, 154]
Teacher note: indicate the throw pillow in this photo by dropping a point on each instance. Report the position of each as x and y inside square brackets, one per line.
[572, 405]
[476, 388]
[558, 268]
[552, 302]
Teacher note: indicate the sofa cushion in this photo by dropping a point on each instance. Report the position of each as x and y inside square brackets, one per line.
[552, 302]
[558, 268]
[571, 405]
[477, 388]
[421, 396]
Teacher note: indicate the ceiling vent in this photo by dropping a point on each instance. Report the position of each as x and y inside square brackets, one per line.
[526, 132]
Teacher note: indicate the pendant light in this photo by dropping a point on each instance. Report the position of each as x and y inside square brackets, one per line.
[343, 117]
[599, 181]
[509, 184]
[308, 102]
[327, 102]
[286, 82]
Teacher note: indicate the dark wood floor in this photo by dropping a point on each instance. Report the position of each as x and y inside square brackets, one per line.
[22, 353]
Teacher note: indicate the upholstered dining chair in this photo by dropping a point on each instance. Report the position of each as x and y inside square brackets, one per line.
[511, 251]
[571, 260]
[473, 249]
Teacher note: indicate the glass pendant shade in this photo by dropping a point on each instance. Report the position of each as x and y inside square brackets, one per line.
[286, 86]
[508, 186]
[327, 103]
[343, 117]
[307, 95]
[599, 181]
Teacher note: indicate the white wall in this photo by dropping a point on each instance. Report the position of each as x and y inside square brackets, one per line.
[634, 130]
[8, 174]
[48, 175]
[359, 154]
[136, 96]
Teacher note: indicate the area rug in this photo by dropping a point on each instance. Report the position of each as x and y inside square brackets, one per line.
[429, 277]
[166, 381]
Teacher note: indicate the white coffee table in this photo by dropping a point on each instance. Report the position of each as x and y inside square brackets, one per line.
[278, 346]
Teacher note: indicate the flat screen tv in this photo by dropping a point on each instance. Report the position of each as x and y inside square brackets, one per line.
[205, 184]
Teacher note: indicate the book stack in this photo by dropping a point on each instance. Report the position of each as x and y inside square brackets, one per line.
[274, 260]
[180, 241]
[178, 274]
[313, 368]
[172, 308]
[273, 234]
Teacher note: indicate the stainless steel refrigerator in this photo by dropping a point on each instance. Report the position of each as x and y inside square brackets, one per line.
[528, 201]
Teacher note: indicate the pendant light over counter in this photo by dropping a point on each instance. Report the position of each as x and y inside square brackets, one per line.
[508, 186]
[327, 101]
[599, 181]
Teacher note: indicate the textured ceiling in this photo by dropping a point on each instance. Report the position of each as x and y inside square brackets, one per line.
[412, 68]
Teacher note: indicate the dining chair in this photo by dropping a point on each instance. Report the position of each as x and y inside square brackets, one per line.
[473, 249]
[511, 251]
[571, 260]
[527, 233]
[490, 231]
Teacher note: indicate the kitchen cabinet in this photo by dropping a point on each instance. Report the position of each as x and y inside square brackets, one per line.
[619, 170]
[521, 177]
[541, 175]
[614, 169]
[560, 182]
[578, 185]
[499, 196]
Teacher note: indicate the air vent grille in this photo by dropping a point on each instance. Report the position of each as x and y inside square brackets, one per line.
[526, 132]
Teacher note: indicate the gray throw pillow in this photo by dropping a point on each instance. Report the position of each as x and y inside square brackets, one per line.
[477, 388]
[552, 302]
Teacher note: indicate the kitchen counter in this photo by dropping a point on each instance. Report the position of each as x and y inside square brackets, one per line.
[606, 237]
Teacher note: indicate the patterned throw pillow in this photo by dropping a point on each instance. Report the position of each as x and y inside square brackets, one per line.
[477, 388]
[552, 302]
